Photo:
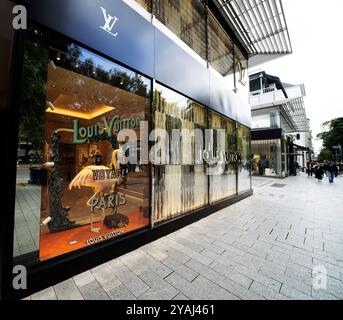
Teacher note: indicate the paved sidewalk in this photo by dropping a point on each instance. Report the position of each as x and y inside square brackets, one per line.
[269, 246]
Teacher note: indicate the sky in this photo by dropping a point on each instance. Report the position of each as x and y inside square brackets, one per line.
[315, 29]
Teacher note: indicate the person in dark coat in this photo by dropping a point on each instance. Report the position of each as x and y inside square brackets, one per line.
[336, 170]
[319, 171]
[330, 168]
[309, 168]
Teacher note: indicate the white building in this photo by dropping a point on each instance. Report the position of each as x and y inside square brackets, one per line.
[280, 128]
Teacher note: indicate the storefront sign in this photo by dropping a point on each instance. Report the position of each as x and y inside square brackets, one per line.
[110, 22]
[107, 128]
[108, 202]
[104, 175]
[213, 158]
[105, 237]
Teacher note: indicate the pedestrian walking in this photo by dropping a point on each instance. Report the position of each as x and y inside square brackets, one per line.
[330, 168]
[309, 169]
[319, 171]
[336, 170]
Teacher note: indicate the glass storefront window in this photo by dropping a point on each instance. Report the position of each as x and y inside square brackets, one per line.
[244, 161]
[220, 48]
[180, 183]
[222, 172]
[265, 120]
[285, 125]
[267, 157]
[74, 187]
[6, 43]
[284, 157]
[187, 19]
[146, 4]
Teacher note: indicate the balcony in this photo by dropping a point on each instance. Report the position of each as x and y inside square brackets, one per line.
[293, 107]
[266, 96]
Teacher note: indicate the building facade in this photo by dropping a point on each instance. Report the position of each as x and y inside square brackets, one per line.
[93, 104]
[281, 135]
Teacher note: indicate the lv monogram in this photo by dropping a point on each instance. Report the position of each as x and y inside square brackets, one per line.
[110, 22]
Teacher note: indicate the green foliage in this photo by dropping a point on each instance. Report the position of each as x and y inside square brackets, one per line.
[35, 69]
[334, 135]
[119, 79]
[325, 154]
[31, 127]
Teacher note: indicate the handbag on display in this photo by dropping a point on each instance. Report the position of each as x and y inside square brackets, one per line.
[116, 221]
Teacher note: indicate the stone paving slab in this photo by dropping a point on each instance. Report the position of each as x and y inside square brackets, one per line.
[269, 246]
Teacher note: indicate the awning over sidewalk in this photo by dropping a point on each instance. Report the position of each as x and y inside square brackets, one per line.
[300, 147]
[260, 24]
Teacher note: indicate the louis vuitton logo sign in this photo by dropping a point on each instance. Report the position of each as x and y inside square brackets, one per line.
[110, 22]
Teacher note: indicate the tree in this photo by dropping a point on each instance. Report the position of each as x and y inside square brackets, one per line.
[31, 126]
[325, 154]
[333, 136]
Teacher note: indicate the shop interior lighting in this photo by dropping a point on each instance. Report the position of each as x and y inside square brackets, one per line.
[80, 114]
[50, 105]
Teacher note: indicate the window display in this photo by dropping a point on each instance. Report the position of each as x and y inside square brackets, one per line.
[80, 120]
[86, 191]
[266, 160]
[91, 91]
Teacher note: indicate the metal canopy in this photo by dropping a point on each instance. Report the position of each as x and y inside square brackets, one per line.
[260, 24]
[295, 109]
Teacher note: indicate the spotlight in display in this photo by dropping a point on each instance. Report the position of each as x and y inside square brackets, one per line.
[52, 63]
[50, 105]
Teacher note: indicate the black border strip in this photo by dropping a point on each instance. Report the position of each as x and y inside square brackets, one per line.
[52, 273]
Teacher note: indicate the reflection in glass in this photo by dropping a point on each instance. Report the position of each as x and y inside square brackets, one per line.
[73, 187]
[180, 185]
[244, 163]
[220, 48]
[266, 120]
[146, 4]
[222, 172]
[187, 19]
